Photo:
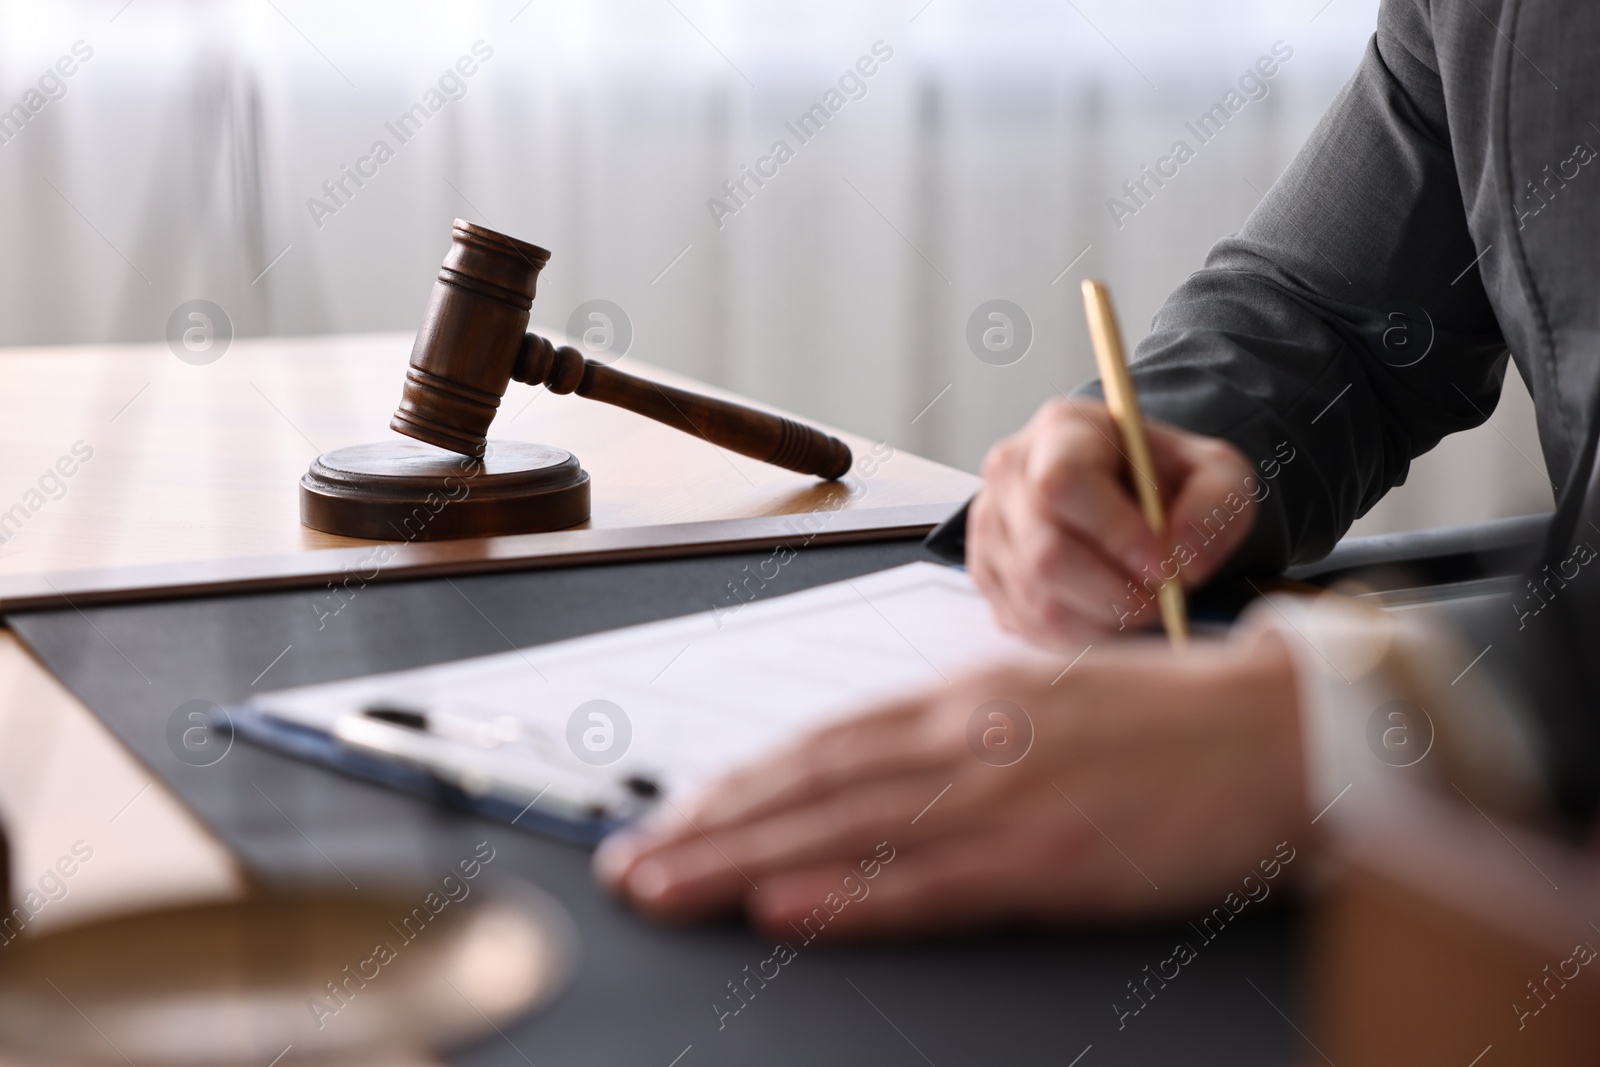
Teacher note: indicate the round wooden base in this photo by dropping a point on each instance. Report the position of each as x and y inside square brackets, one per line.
[404, 490]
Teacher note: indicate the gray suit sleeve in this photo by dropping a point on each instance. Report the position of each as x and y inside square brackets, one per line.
[1299, 340]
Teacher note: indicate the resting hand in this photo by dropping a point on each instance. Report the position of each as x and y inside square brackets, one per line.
[1056, 540]
[1145, 770]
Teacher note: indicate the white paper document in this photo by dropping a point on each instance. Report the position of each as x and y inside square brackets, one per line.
[660, 707]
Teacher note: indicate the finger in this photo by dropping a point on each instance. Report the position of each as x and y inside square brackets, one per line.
[990, 546]
[691, 880]
[988, 584]
[1214, 512]
[1053, 584]
[1173, 456]
[881, 742]
[1064, 585]
[1076, 471]
[952, 884]
[685, 878]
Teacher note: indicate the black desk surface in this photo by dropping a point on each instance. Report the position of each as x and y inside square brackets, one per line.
[643, 994]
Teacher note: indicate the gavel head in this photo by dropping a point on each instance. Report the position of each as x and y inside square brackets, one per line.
[469, 339]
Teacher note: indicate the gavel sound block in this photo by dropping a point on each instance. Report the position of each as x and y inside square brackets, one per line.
[451, 480]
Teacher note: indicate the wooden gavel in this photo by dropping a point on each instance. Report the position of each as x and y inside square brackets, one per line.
[473, 342]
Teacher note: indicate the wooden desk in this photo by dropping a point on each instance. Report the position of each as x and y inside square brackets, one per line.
[1445, 935]
[199, 465]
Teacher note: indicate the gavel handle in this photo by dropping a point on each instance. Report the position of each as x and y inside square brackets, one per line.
[757, 434]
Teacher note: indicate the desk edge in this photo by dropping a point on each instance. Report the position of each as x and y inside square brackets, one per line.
[367, 563]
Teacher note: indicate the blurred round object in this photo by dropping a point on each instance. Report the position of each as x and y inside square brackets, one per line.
[301, 975]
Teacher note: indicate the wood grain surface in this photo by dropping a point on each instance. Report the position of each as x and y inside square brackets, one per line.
[192, 463]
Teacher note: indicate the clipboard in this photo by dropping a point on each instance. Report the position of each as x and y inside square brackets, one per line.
[684, 700]
[324, 750]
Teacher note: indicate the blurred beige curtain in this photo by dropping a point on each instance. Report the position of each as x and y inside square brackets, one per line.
[977, 162]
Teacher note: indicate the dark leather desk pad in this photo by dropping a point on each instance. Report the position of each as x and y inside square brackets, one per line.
[643, 994]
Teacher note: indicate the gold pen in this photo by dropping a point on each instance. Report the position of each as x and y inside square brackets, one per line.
[1124, 406]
